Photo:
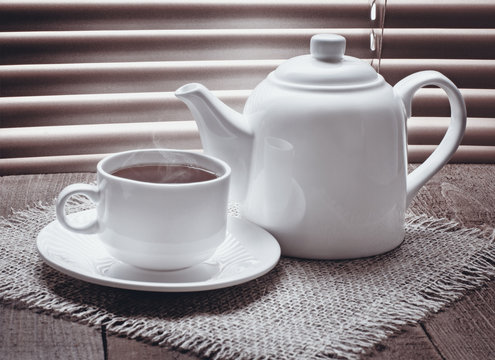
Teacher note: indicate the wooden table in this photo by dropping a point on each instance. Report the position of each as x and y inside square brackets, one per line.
[464, 330]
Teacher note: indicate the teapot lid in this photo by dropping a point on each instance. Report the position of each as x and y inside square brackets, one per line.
[326, 66]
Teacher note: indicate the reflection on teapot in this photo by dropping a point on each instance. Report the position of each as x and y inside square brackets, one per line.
[319, 156]
[276, 201]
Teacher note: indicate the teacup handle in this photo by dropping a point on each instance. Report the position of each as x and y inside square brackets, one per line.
[450, 142]
[91, 191]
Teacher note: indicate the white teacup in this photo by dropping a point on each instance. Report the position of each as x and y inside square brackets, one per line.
[156, 225]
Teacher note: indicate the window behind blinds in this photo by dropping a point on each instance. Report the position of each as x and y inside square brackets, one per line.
[80, 79]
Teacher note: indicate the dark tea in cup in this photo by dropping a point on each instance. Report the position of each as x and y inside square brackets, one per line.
[165, 174]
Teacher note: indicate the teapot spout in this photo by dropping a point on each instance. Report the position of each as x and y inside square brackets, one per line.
[224, 134]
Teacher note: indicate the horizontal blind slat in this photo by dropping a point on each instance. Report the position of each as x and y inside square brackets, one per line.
[103, 108]
[164, 106]
[440, 14]
[428, 43]
[431, 130]
[89, 139]
[106, 15]
[94, 78]
[87, 78]
[464, 154]
[94, 139]
[49, 164]
[434, 102]
[465, 73]
[167, 45]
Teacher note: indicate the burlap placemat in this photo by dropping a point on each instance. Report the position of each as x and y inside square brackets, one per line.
[301, 309]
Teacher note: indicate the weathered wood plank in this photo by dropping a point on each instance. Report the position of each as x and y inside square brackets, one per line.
[30, 336]
[121, 348]
[466, 330]
[411, 343]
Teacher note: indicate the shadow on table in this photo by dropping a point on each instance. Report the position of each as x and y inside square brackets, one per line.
[82, 297]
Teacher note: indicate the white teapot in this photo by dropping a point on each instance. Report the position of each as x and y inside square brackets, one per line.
[319, 157]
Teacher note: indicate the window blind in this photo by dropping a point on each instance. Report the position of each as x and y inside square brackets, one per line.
[80, 79]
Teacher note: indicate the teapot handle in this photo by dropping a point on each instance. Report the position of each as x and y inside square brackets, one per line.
[450, 142]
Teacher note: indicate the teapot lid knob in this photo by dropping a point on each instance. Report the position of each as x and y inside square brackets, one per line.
[327, 47]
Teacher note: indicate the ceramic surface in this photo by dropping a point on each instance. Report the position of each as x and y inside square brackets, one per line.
[319, 156]
[155, 226]
[246, 253]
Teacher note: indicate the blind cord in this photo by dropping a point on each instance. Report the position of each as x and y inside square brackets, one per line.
[377, 13]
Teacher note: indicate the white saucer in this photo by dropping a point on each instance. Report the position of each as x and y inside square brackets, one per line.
[247, 253]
